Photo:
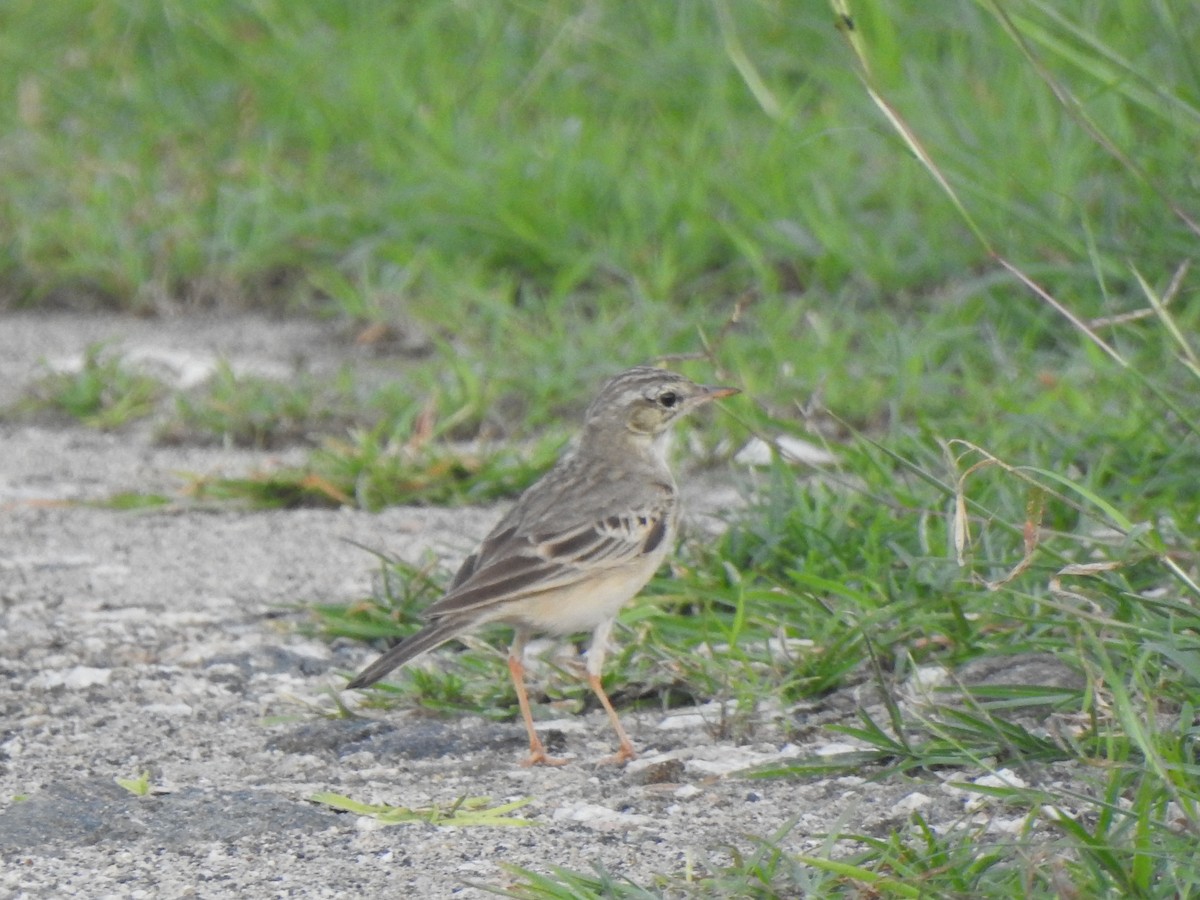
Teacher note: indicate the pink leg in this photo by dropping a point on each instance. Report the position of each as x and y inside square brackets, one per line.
[625, 752]
[537, 750]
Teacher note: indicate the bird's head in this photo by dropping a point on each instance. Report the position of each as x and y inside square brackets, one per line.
[645, 401]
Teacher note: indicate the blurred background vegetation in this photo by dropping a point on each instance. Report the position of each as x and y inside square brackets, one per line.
[565, 183]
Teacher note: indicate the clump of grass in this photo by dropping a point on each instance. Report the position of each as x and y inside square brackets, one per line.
[399, 592]
[765, 870]
[252, 411]
[105, 392]
[445, 398]
[368, 470]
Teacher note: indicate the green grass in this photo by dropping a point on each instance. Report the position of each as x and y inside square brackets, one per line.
[371, 470]
[461, 158]
[251, 411]
[953, 242]
[105, 392]
[464, 812]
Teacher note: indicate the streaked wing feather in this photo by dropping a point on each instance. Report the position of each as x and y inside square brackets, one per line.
[465, 571]
[512, 565]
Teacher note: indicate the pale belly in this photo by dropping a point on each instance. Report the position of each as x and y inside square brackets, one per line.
[582, 607]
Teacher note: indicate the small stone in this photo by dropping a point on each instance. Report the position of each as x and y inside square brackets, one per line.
[915, 800]
[836, 749]
[668, 771]
[683, 722]
[75, 679]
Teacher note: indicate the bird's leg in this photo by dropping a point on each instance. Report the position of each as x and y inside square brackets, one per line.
[625, 752]
[516, 668]
[595, 665]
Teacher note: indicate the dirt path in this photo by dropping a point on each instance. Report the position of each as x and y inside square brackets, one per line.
[167, 642]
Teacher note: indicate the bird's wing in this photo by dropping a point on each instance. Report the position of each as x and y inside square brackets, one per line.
[515, 562]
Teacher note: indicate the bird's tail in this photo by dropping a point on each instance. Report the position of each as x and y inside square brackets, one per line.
[429, 637]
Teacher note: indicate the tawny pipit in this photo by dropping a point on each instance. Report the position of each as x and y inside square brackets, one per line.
[578, 544]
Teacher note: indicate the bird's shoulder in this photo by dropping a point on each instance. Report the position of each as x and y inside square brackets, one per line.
[582, 491]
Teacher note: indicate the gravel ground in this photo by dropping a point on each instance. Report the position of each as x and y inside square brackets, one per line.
[168, 642]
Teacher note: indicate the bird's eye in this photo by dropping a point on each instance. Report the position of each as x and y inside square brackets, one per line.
[668, 399]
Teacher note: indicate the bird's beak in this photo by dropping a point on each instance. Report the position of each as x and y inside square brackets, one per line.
[712, 392]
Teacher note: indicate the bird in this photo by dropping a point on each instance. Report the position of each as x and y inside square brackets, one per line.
[577, 545]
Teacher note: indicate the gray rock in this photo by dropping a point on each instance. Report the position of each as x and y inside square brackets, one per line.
[81, 813]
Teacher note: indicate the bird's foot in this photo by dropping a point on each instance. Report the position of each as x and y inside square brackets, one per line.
[539, 757]
[622, 756]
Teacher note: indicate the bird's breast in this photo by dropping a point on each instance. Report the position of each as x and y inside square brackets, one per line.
[582, 606]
